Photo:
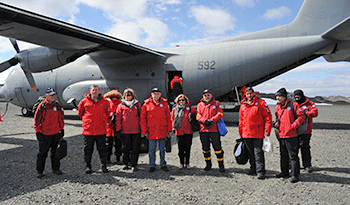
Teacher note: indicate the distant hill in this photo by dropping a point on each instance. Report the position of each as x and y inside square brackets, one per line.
[336, 100]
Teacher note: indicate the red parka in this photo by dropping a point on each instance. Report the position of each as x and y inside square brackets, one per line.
[111, 128]
[254, 119]
[311, 111]
[128, 118]
[186, 127]
[288, 123]
[94, 115]
[211, 111]
[49, 121]
[155, 119]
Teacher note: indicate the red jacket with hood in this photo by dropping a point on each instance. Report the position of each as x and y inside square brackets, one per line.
[311, 111]
[155, 119]
[254, 119]
[186, 127]
[94, 115]
[128, 118]
[288, 123]
[49, 121]
[211, 111]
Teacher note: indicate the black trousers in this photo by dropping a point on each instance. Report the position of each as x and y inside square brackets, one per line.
[304, 145]
[89, 142]
[289, 153]
[256, 154]
[117, 145]
[184, 143]
[47, 142]
[131, 147]
[214, 139]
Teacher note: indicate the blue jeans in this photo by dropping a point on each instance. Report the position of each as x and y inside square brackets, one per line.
[152, 152]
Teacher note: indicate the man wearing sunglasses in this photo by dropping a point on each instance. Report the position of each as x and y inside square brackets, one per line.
[309, 108]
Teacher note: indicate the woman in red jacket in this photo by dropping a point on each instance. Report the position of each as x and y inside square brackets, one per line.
[183, 129]
[128, 124]
[208, 113]
[113, 97]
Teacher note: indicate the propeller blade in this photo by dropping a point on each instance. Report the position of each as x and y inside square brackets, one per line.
[15, 45]
[30, 79]
[7, 64]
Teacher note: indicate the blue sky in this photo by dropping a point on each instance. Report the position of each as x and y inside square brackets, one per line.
[167, 23]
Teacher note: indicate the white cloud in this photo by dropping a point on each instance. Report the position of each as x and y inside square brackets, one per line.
[147, 31]
[49, 8]
[278, 13]
[315, 66]
[244, 3]
[215, 21]
[5, 45]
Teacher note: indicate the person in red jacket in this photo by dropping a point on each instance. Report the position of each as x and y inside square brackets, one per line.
[208, 113]
[113, 97]
[128, 124]
[94, 111]
[288, 118]
[310, 109]
[155, 125]
[49, 129]
[255, 122]
[183, 129]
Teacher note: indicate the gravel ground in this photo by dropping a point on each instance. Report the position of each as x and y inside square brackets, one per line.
[328, 184]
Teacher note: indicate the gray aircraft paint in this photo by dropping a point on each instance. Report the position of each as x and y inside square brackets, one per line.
[320, 29]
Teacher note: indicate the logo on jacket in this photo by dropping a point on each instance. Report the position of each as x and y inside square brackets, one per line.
[289, 108]
[256, 103]
[304, 106]
[161, 105]
[214, 106]
[187, 108]
[54, 109]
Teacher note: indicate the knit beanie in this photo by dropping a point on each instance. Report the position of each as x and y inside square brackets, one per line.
[281, 92]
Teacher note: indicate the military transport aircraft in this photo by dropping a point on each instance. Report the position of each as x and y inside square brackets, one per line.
[72, 58]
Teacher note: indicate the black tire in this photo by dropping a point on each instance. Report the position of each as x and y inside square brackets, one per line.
[26, 112]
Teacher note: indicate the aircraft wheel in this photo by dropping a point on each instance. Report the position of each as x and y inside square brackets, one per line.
[26, 112]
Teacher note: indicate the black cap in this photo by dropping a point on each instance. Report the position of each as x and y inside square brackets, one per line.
[50, 91]
[281, 92]
[155, 90]
[206, 91]
[299, 92]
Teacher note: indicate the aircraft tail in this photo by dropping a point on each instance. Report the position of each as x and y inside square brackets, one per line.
[318, 16]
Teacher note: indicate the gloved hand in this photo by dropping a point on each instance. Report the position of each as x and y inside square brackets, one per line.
[39, 136]
[208, 123]
[62, 133]
[118, 135]
[113, 117]
[191, 116]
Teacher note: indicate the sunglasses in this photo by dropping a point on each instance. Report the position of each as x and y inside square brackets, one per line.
[127, 95]
[182, 100]
[113, 97]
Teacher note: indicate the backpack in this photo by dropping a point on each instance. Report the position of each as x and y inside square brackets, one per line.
[41, 100]
[303, 127]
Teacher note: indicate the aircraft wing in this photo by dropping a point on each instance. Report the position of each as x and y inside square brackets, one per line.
[340, 32]
[30, 27]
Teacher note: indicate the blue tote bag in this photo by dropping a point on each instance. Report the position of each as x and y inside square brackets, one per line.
[221, 125]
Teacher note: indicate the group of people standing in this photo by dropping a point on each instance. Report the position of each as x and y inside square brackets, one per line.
[255, 123]
[117, 120]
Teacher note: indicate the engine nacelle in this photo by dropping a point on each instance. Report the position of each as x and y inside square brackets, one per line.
[43, 59]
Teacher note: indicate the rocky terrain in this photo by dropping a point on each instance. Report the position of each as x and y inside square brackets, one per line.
[329, 183]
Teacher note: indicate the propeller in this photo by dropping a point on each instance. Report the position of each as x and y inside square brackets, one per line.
[14, 61]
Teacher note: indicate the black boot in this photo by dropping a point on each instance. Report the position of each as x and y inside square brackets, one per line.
[221, 166]
[104, 168]
[108, 160]
[208, 167]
